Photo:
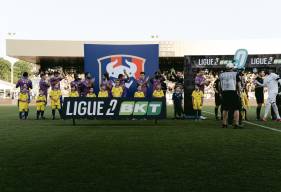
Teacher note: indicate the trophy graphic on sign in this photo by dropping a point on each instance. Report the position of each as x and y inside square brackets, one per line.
[240, 58]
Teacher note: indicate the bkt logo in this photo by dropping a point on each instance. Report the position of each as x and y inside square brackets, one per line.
[117, 64]
[140, 108]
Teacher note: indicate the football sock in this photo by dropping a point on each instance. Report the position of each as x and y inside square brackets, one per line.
[275, 109]
[199, 114]
[267, 109]
[37, 114]
[216, 111]
[42, 114]
[258, 112]
[53, 113]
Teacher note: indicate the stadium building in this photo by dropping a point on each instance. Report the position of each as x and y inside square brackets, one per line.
[70, 54]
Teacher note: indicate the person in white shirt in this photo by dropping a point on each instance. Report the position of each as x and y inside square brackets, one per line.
[229, 85]
[271, 82]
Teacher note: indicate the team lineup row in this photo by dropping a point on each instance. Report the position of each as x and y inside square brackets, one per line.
[108, 88]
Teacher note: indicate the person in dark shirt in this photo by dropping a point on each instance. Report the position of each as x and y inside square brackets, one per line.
[177, 77]
[177, 99]
[259, 94]
[217, 97]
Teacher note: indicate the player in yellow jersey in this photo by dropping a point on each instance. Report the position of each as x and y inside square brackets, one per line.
[55, 96]
[245, 104]
[103, 93]
[117, 90]
[91, 93]
[197, 101]
[139, 93]
[158, 92]
[40, 104]
[73, 92]
[23, 103]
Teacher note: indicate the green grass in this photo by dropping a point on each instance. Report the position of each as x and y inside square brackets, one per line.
[136, 155]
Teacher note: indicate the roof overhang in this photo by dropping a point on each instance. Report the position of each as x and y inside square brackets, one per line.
[36, 50]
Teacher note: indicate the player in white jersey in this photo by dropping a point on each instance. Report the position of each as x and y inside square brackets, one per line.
[271, 82]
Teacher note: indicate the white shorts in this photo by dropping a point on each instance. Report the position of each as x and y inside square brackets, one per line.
[272, 98]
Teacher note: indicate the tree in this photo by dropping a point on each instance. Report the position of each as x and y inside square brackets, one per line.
[5, 69]
[20, 67]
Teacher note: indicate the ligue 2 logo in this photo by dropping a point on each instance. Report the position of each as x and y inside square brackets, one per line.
[240, 58]
[117, 64]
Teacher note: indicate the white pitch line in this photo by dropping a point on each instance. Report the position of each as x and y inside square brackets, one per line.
[248, 122]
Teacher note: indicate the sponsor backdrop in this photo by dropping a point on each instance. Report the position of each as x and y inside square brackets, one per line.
[114, 59]
[114, 108]
[219, 61]
[195, 62]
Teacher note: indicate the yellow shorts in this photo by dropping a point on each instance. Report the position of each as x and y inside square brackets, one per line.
[55, 105]
[40, 107]
[23, 106]
[197, 105]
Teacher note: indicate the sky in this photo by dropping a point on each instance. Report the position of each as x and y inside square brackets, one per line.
[138, 20]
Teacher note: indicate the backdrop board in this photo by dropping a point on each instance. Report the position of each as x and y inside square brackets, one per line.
[194, 63]
[113, 108]
[114, 59]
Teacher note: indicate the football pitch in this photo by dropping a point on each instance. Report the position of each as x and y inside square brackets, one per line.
[173, 155]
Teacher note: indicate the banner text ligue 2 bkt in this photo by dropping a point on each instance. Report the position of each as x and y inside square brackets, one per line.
[114, 59]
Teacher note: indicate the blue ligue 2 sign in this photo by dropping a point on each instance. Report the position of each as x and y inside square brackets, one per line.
[114, 59]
